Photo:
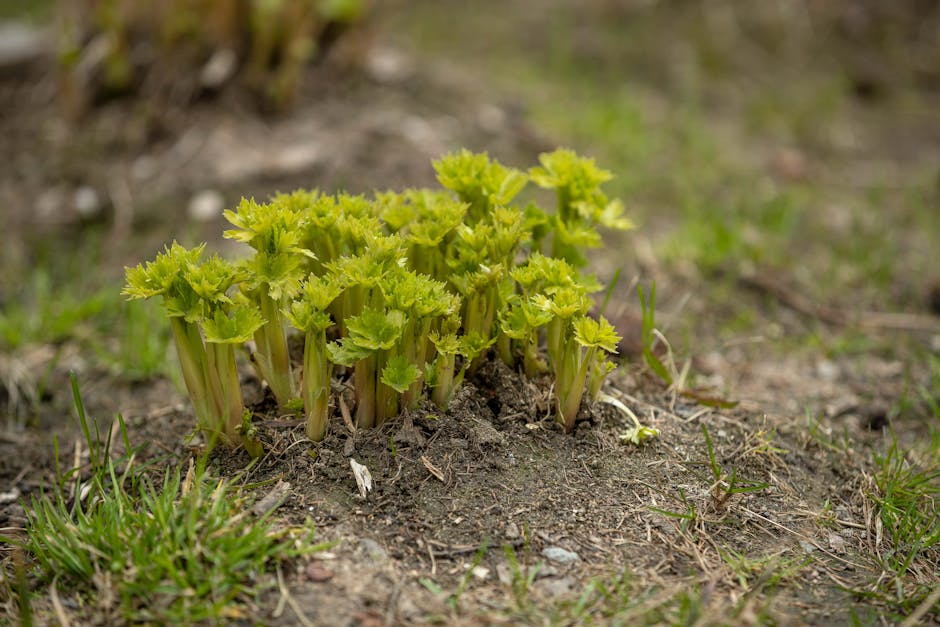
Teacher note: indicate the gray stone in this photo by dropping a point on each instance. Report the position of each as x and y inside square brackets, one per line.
[557, 586]
[387, 65]
[219, 68]
[20, 44]
[828, 370]
[205, 205]
[87, 202]
[560, 555]
[373, 551]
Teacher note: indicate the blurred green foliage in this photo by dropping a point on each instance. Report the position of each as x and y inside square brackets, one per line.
[181, 48]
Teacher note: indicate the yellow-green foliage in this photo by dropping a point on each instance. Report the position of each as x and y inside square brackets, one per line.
[409, 289]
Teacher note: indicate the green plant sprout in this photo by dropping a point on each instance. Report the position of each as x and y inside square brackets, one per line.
[408, 290]
[582, 205]
[583, 360]
[272, 279]
[725, 486]
[206, 324]
[482, 183]
[442, 375]
[309, 314]
[522, 576]
[648, 335]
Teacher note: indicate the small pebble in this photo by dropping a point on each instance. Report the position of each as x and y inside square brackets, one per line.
[10, 496]
[547, 571]
[386, 65]
[491, 118]
[21, 43]
[560, 555]
[318, 573]
[372, 549]
[827, 370]
[836, 543]
[219, 68]
[557, 587]
[206, 205]
[87, 202]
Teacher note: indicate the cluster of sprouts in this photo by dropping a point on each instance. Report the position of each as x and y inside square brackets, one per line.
[410, 291]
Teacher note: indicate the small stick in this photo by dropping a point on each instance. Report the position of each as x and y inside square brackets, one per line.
[57, 604]
[347, 418]
[432, 468]
[286, 597]
[922, 609]
[274, 499]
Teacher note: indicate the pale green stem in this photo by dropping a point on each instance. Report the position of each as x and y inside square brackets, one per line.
[532, 365]
[554, 333]
[417, 353]
[364, 382]
[192, 357]
[390, 399]
[570, 402]
[596, 378]
[382, 392]
[504, 348]
[316, 385]
[281, 380]
[444, 392]
[222, 359]
[259, 358]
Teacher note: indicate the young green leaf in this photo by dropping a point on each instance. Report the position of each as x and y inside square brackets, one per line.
[237, 327]
[376, 330]
[479, 181]
[578, 177]
[582, 205]
[593, 333]
[399, 373]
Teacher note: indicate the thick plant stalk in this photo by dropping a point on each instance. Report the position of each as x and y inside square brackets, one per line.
[315, 388]
[571, 390]
[192, 358]
[531, 362]
[274, 355]
[389, 404]
[384, 397]
[481, 313]
[417, 353]
[444, 391]
[504, 349]
[224, 374]
[364, 383]
[555, 338]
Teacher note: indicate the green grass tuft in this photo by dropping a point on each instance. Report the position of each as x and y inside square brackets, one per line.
[171, 551]
[909, 502]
